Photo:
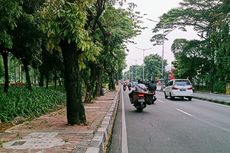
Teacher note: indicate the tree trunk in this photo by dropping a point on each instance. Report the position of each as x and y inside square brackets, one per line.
[19, 73]
[55, 79]
[47, 80]
[111, 82]
[15, 74]
[28, 81]
[35, 78]
[89, 95]
[75, 108]
[6, 75]
[41, 79]
[90, 84]
[97, 83]
[60, 81]
[22, 73]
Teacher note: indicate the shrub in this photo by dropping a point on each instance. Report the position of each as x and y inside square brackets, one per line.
[21, 102]
[220, 87]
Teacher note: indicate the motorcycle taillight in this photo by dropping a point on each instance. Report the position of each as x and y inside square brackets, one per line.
[141, 95]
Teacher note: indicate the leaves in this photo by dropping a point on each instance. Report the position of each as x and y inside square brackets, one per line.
[203, 58]
[10, 11]
[20, 102]
[153, 66]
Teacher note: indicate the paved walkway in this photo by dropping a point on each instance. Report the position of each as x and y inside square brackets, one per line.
[51, 134]
[217, 98]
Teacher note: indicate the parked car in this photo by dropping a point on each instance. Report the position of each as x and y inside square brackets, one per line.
[179, 88]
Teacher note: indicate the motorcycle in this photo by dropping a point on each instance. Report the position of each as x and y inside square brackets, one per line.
[124, 87]
[141, 99]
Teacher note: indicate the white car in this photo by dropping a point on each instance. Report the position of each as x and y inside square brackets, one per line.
[179, 88]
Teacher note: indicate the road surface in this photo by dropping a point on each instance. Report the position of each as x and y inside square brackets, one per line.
[172, 126]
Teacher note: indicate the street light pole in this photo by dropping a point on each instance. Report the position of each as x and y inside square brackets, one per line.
[143, 66]
[162, 62]
[143, 75]
[163, 47]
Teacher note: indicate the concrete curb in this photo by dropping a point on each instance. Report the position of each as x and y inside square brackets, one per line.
[213, 100]
[103, 134]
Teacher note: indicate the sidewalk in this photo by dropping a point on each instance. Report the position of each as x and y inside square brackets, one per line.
[51, 134]
[216, 98]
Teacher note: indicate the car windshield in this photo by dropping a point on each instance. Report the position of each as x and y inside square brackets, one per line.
[182, 82]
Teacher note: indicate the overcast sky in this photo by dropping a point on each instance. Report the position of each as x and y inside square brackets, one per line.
[154, 9]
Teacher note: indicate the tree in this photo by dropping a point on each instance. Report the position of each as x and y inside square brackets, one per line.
[209, 19]
[123, 27]
[10, 11]
[153, 66]
[27, 43]
[64, 22]
[110, 35]
[189, 61]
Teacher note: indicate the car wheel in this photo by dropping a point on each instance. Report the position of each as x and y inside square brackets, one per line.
[165, 95]
[140, 109]
[189, 98]
[171, 97]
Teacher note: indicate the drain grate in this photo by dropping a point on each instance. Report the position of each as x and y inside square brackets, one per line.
[35, 141]
[18, 143]
[39, 135]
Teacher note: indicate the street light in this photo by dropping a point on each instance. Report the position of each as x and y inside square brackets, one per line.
[143, 77]
[162, 61]
[163, 48]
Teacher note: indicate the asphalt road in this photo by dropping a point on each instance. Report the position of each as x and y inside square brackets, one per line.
[173, 126]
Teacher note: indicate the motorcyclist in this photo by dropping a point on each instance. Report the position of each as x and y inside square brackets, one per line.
[124, 86]
[140, 87]
[151, 86]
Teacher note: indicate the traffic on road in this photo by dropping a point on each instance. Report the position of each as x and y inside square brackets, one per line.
[171, 126]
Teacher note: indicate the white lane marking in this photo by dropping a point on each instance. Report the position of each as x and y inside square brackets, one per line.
[124, 147]
[160, 101]
[183, 112]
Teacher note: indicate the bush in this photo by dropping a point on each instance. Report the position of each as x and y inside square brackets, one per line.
[21, 102]
[220, 87]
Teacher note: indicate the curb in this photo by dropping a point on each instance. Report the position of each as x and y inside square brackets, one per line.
[103, 134]
[213, 100]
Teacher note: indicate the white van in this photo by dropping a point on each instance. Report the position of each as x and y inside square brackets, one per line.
[179, 88]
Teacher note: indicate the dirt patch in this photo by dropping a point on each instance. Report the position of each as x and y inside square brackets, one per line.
[4, 126]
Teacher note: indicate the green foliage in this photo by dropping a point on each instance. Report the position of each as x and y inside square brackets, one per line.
[120, 25]
[190, 60]
[219, 86]
[27, 39]
[153, 64]
[21, 102]
[209, 56]
[65, 20]
[10, 11]
[1, 69]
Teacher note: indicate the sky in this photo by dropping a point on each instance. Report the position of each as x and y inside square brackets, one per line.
[154, 9]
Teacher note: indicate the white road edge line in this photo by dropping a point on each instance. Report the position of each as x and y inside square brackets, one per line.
[124, 146]
[183, 112]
